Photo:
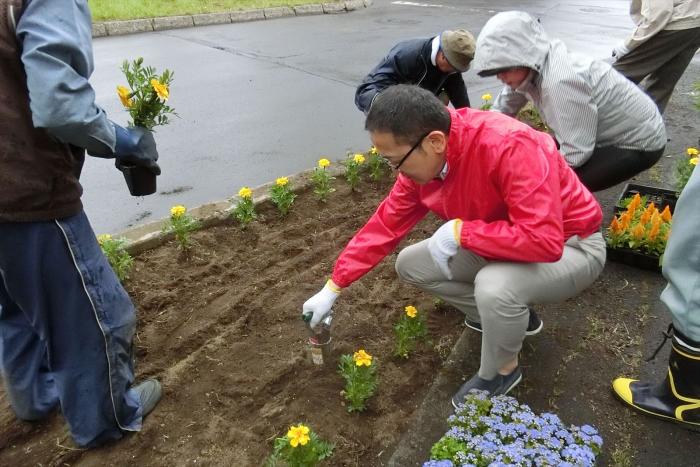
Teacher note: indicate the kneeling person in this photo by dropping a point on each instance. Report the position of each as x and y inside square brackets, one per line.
[521, 228]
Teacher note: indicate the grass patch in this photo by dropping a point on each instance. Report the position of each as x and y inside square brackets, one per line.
[107, 10]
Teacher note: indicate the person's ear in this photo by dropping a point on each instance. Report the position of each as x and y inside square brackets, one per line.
[437, 141]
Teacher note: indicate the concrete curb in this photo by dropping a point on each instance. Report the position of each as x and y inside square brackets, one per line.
[150, 235]
[133, 26]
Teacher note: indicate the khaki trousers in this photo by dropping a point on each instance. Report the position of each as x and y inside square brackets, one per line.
[498, 294]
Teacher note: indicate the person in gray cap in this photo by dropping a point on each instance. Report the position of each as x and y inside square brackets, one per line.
[435, 64]
[607, 128]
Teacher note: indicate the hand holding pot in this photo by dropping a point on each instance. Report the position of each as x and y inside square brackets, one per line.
[135, 146]
[319, 306]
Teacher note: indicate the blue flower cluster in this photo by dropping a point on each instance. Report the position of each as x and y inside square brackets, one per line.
[500, 432]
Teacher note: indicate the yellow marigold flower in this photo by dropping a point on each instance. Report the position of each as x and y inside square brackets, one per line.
[692, 151]
[323, 163]
[124, 96]
[411, 311]
[245, 192]
[486, 97]
[373, 151]
[177, 211]
[638, 232]
[160, 89]
[666, 214]
[694, 161]
[362, 358]
[298, 435]
[282, 181]
[103, 238]
[359, 158]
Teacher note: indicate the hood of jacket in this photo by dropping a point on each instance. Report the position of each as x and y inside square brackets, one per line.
[511, 39]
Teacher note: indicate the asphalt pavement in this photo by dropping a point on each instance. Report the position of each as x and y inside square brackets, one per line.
[265, 99]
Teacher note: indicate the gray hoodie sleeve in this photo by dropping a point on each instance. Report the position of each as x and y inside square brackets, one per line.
[509, 102]
[57, 57]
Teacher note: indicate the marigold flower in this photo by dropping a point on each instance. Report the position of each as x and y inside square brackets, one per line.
[362, 358]
[638, 232]
[298, 435]
[124, 96]
[486, 97]
[282, 181]
[359, 158]
[103, 238]
[178, 211]
[692, 151]
[323, 163]
[411, 311]
[160, 89]
[373, 151]
[245, 192]
[693, 161]
[666, 214]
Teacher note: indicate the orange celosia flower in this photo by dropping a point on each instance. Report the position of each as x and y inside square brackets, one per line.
[615, 227]
[634, 204]
[655, 226]
[638, 232]
[666, 214]
[625, 220]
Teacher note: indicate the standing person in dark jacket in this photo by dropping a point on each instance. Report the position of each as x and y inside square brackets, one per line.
[66, 323]
[435, 64]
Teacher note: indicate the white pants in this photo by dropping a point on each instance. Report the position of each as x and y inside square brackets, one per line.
[498, 294]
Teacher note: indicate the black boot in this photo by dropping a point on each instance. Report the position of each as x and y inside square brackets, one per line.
[677, 397]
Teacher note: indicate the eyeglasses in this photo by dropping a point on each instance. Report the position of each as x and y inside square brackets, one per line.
[410, 151]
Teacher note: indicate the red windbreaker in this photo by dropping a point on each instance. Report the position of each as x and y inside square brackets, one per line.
[518, 198]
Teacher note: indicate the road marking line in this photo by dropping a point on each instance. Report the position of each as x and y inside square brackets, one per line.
[425, 5]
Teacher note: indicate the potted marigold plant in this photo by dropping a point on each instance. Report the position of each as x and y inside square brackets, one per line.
[145, 99]
[300, 448]
[637, 236]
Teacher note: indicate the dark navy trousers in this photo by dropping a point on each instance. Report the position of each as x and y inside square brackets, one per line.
[66, 329]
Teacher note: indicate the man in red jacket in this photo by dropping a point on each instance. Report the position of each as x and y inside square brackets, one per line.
[520, 227]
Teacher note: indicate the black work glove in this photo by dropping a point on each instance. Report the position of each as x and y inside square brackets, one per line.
[136, 146]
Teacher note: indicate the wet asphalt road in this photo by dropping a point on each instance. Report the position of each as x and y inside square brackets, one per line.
[264, 99]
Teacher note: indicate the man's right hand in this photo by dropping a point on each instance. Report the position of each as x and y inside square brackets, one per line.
[319, 306]
[136, 146]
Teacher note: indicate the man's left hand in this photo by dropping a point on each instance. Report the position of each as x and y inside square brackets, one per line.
[444, 244]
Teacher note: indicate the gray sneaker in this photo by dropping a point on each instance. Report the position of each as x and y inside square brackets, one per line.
[534, 324]
[149, 392]
[501, 384]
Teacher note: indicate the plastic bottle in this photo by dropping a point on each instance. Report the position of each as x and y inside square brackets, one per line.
[320, 342]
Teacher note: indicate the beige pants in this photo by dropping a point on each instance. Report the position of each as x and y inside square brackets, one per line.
[497, 294]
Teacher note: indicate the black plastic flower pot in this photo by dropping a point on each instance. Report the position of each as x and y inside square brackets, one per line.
[140, 180]
[661, 197]
[635, 258]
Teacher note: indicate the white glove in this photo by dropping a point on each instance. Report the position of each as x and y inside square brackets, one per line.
[620, 50]
[444, 244]
[319, 306]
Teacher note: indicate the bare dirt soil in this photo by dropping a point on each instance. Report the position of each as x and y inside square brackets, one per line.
[222, 330]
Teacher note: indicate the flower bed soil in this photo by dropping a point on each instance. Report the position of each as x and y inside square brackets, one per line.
[222, 330]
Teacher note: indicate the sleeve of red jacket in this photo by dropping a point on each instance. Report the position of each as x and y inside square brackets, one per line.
[530, 187]
[394, 218]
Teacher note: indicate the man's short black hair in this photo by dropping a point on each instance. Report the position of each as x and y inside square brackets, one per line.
[407, 112]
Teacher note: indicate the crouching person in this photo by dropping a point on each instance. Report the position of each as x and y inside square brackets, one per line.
[520, 227]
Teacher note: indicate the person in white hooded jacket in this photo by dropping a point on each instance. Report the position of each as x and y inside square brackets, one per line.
[608, 129]
[661, 47]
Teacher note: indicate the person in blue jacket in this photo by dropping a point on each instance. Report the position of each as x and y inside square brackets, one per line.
[435, 64]
[66, 323]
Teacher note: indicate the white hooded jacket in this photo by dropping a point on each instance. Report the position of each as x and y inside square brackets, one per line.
[585, 102]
